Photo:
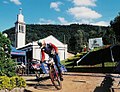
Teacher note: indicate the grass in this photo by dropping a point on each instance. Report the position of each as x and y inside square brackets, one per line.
[69, 61]
[107, 64]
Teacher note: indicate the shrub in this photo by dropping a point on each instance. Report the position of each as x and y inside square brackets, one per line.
[4, 82]
[20, 82]
[11, 82]
[7, 65]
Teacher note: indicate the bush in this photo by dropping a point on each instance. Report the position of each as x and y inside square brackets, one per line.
[4, 82]
[7, 65]
[20, 82]
[11, 82]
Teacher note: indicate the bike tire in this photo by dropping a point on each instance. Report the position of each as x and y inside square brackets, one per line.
[55, 78]
[38, 73]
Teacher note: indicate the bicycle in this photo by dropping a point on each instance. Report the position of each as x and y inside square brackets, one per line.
[53, 73]
[20, 69]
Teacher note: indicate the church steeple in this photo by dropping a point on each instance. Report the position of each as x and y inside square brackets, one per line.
[20, 30]
[20, 17]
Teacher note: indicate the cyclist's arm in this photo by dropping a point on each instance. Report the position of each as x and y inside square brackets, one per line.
[42, 55]
[55, 48]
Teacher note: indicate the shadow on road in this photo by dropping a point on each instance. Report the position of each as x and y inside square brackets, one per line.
[39, 84]
[106, 85]
[27, 90]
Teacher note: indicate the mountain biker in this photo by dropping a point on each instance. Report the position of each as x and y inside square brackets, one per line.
[52, 52]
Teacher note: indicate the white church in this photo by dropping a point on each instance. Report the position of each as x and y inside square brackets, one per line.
[32, 49]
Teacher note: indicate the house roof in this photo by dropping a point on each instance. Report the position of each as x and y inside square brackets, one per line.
[53, 40]
[49, 39]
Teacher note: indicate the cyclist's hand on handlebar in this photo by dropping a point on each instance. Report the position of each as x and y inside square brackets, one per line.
[41, 61]
[56, 53]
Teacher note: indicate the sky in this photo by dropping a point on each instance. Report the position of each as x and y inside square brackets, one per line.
[62, 12]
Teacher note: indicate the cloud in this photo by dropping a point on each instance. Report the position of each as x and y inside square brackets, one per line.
[55, 5]
[62, 20]
[84, 2]
[45, 21]
[17, 2]
[101, 23]
[84, 13]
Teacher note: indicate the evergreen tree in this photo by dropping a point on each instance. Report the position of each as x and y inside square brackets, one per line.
[7, 65]
[115, 24]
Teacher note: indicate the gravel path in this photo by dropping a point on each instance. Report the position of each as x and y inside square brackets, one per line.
[77, 82]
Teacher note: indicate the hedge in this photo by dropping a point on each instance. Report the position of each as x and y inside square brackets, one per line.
[11, 82]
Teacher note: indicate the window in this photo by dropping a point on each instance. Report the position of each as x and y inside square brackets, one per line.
[21, 28]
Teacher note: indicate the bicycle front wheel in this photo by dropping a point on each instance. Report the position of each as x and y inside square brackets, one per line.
[55, 78]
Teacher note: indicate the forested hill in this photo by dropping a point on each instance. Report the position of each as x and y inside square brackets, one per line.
[74, 35]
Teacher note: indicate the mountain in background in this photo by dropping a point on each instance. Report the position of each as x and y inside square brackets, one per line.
[75, 35]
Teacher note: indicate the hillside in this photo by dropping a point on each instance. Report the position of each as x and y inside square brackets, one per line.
[74, 35]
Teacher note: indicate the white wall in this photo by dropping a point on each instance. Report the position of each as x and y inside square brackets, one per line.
[20, 40]
[62, 51]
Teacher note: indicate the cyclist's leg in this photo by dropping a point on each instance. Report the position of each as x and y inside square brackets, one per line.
[58, 65]
[43, 68]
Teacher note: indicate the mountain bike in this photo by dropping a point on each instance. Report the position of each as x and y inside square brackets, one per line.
[54, 75]
[20, 69]
[52, 71]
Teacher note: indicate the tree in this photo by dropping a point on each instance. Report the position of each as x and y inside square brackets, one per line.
[79, 38]
[7, 65]
[72, 43]
[115, 24]
[35, 32]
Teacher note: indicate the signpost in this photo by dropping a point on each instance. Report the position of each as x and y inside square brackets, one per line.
[95, 42]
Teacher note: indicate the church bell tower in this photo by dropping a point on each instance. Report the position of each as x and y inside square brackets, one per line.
[20, 30]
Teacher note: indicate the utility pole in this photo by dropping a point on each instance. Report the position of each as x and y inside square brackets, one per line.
[64, 46]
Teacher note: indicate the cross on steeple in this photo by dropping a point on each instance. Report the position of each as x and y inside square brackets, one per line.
[20, 10]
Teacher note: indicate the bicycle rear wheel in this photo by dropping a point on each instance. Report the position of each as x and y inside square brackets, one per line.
[55, 78]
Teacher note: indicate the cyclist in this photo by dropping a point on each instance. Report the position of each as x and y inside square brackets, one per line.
[52, 52]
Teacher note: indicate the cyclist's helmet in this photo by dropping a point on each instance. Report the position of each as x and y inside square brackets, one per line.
[39, 43]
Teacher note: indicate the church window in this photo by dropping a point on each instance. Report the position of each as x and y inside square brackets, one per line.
[21, 28]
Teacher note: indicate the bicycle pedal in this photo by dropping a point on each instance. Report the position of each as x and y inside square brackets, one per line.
[61, 79]
[118, 83]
